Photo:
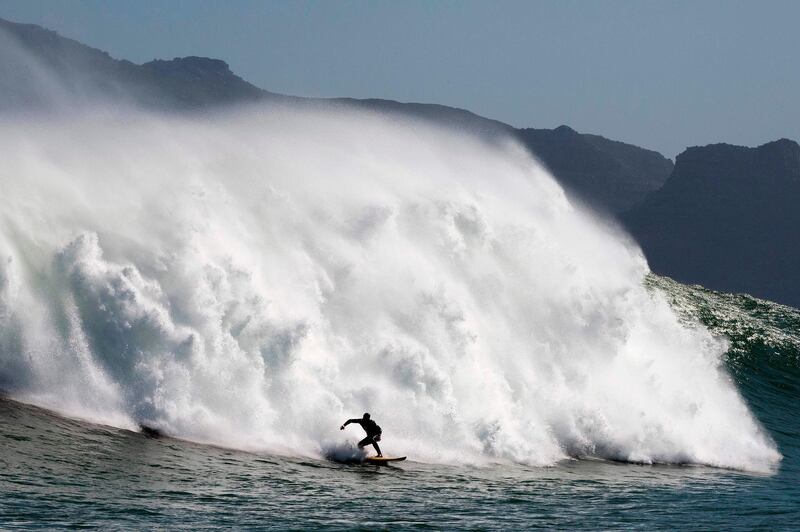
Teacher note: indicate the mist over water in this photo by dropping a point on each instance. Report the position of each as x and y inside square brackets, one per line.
[255, 277]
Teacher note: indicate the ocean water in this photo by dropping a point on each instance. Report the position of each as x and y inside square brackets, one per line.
[59, 472]
[245, 281]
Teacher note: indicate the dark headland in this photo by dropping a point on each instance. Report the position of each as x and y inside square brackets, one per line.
[728, 218]
[724, 216]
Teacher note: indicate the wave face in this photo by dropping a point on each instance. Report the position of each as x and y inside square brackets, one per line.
[253, 279]
[763, 355]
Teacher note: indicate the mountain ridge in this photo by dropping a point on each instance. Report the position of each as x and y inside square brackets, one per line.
[693, 218]
[727, 219]
[196, 83]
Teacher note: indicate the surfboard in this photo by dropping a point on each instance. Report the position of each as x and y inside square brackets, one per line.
[379, 460]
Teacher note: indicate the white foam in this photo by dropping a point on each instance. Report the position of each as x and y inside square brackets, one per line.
[256, 278]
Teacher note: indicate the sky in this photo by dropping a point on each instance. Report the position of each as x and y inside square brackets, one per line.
[662, 75]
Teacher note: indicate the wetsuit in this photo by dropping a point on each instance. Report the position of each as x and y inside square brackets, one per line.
[373, 433]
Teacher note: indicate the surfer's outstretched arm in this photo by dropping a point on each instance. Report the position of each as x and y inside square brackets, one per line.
[356, 420]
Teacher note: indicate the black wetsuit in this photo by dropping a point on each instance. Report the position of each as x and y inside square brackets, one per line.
[373, 433]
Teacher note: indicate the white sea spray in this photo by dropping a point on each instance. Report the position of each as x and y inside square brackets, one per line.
[253, 278]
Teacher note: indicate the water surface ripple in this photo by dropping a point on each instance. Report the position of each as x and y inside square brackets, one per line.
[58, 472]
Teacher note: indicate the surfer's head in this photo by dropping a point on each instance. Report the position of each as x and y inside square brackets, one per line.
[366, 415]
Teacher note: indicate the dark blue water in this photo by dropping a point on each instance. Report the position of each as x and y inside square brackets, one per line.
[64, 473]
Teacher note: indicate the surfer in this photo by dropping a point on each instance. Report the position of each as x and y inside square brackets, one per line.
[372, 429]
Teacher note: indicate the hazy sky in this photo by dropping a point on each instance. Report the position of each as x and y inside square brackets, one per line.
[663, 75]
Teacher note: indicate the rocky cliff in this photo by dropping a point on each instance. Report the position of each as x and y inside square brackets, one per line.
[728, 218]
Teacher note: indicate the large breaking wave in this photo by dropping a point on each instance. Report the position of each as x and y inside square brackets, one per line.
[254, 278]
